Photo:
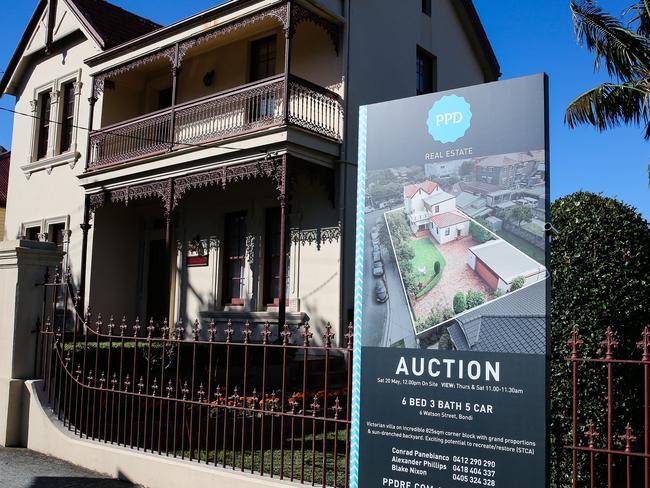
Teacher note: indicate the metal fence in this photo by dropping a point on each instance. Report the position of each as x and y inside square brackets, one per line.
[274, 406]
[617, 453]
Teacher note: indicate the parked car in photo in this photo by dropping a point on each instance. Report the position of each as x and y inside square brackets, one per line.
[376, 256]
[377, 269]
[381, 294]
[375, 247]
[374, 235]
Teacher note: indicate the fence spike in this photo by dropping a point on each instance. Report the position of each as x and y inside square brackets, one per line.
[306, 334]
[228, 330]
[123, 326]
[136, 327]
[329, 335]
[609, 344]
[247, 332]
[350, 335]
[591, 434]
[196, 329]
[266, 332]
[286, 334]
[212, 331]
[644, 344]
[165, 329]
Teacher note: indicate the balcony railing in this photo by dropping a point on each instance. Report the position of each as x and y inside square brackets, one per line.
[235, 112]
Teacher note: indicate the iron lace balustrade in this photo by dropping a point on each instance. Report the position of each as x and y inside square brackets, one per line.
[237, 112]
[268, 401]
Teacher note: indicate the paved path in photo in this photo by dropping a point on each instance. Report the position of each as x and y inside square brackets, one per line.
[457, 276]
[21, 468]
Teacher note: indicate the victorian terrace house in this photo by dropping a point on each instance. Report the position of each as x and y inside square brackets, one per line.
[206, 169]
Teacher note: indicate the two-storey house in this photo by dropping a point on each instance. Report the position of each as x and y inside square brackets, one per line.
[207, 168]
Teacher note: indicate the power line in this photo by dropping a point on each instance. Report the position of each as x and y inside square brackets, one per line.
[127, 136]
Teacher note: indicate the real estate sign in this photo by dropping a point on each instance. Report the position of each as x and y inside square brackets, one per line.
[451, 342]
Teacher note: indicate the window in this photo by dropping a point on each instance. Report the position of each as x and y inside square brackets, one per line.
[67, 117]
[43, 124]
[263, 60]
[56, 234]
[272, 258]
[447, 231]
[31, 233]
[437, 208]
[426, 7]
[234, 255]
[426, 72]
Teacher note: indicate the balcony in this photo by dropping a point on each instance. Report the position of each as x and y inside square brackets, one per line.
[248, 109]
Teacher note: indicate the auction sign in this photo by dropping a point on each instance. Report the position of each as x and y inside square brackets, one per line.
[451, 314]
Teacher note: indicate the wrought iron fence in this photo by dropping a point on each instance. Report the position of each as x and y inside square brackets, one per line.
[617, 453]
[273, 407]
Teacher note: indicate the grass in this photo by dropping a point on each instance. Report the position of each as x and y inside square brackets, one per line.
[271, 460]
[526, 247]
[533, 229]
[426, 255]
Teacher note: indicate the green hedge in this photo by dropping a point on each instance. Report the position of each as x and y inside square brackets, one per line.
[601, 276]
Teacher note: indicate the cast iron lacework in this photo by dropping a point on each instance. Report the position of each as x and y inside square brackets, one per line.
[159, 189]
[250, 248]
[223, 176]
[319, 235]
[279, 12]
[168, 53]
[300, 14]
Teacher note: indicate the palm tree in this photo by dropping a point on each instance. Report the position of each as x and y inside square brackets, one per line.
[622, 46]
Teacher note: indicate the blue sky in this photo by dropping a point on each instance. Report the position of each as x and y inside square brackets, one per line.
[528, 38]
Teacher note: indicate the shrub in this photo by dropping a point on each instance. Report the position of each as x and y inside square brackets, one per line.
[474, 298]
[497, 293]
[447, 313]
[479, 233]
[600, 264]
[445, 341]
[436, 267]
[460, 304]
[517, 283]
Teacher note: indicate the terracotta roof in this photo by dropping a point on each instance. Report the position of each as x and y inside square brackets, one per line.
[112, 25]
[4, 177]
[427, 187]
[447, 219]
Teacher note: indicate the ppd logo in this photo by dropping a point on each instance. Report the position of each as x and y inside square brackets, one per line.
[449, 118]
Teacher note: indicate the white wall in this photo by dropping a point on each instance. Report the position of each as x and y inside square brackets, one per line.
[55, 194]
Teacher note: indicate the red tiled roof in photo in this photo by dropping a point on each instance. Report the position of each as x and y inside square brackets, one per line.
[4, 177]
[427, 187]
[112, 24]
[448, 219]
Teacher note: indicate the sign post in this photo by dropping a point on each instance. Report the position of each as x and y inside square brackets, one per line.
[451, 316]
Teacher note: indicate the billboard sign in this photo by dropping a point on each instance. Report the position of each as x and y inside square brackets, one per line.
[451, 311]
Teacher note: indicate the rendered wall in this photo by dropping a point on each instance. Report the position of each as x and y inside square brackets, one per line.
[56, 194]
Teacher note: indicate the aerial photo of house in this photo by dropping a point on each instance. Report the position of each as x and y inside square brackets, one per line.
[449, 262]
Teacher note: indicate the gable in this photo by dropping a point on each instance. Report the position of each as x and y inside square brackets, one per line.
[102, 23]
[65, 23]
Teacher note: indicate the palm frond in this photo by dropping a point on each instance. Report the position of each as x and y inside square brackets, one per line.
[620, 49]
[610, 105]
[640, 20]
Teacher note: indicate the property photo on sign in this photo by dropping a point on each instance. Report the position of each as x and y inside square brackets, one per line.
[452, 286]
